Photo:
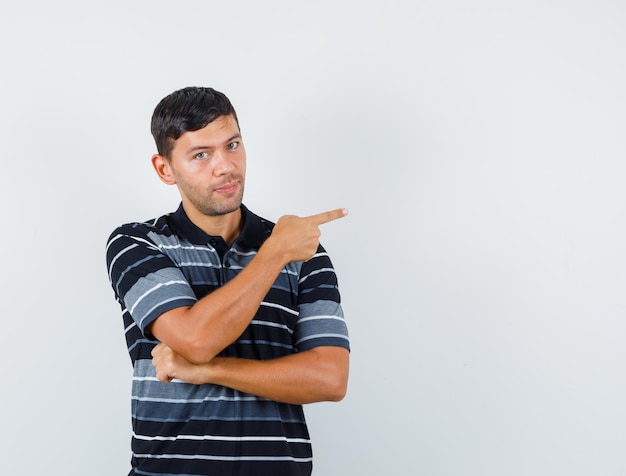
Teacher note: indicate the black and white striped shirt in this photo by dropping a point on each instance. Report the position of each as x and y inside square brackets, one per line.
[185, 429]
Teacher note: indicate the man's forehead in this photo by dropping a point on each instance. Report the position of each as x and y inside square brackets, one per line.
[222, 129]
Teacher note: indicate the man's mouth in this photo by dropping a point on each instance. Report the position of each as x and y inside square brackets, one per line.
[227, 188]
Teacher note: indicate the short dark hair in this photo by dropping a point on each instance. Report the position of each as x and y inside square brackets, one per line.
[187, 109]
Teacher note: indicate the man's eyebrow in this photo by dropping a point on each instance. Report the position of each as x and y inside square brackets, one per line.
[201, 147]
[235, 136]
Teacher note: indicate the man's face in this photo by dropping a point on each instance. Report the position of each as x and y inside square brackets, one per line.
[209, 167]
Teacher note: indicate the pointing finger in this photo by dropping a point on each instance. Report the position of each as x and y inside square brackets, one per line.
[331, 215]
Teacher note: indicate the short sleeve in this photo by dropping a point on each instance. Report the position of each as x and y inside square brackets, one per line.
[143, 278]
[321, 320]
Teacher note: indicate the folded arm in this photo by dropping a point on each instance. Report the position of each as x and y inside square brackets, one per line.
[319, 374]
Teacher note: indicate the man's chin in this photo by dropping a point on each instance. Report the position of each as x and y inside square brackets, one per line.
[224, 209]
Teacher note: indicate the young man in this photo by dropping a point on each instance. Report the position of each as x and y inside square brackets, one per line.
[232, 322]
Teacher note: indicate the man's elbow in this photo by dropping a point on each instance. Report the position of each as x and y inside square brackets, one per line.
[334, 373]
[338, 391]
[197, 352]
[337, 385]
[328, 390]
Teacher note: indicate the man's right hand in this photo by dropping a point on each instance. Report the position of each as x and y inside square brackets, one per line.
[297, 238]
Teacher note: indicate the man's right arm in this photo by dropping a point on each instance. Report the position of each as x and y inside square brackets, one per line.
[199, 332]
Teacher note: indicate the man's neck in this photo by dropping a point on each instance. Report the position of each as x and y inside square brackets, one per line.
[227, 226]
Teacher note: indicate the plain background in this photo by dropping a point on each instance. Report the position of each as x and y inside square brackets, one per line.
[479, 146]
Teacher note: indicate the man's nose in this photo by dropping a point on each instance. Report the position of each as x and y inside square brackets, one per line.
[222, 164]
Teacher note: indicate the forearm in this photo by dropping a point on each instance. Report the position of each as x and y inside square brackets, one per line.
[320, 374]
[201, 331]
[301, 378]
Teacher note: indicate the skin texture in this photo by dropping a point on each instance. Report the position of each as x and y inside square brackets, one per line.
[208, 167]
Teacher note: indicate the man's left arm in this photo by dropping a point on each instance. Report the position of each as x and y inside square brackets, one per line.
[315, 375]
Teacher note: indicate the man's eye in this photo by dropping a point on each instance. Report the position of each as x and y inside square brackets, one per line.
[233, 145]
[201, 155]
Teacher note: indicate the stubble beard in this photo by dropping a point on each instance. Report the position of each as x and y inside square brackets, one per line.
[212, 207]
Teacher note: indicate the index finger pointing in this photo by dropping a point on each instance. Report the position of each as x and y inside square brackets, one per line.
[331, 215]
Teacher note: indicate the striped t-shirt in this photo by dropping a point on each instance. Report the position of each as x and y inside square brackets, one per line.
[185, 429]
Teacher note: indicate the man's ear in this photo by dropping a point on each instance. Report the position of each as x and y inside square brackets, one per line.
[163, 169]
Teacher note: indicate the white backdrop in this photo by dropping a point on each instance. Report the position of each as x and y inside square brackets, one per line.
[479, 146]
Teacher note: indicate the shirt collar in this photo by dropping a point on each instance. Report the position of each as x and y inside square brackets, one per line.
[254, 232]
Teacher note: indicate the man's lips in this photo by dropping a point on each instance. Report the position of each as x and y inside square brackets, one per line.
[228, 188]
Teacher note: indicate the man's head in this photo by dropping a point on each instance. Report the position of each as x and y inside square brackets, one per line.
[187, 109]
[200, 150]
